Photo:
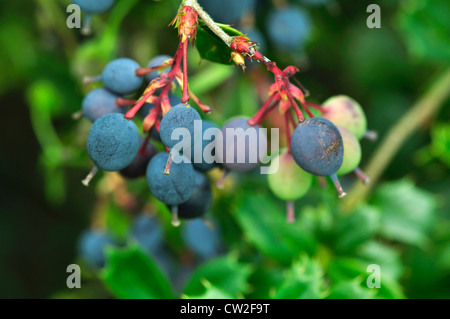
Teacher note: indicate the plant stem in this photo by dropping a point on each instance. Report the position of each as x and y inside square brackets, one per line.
[208, 21]
[418, 116]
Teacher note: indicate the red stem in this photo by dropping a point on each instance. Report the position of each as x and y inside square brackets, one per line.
[260, 115]
[297, 110]
[185, 97]
[316, 106]
[205, 108]
[143, 147]
[124, 102]
[152, 117]
[132, 112]
[291, 120]
[144, 71]
[290, 212]
[288, 130]
[308, 111]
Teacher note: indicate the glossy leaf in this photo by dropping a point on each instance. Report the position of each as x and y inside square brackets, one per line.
[132, 274]
[211, 47]
[225, 273]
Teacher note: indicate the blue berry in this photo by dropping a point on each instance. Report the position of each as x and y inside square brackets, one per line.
[202, 240]
[148, 233]
[91, 247]
[120, 76]
[173, 189]
[156, 61]
[288, 28]
[316, 2]
[178, 117]
[317, 147]
[97, 6]
[200, 145]
[100, 102]
[246, 151]
[138, 167]
[113, 142]
[200, 201]
[229, 11]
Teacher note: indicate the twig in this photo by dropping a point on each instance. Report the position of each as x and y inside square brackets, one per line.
[209, 21]
[418, 116]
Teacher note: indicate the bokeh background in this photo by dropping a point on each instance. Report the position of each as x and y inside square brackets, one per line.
[402, 224]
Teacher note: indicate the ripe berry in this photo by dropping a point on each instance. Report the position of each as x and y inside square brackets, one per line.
[91, 247]
[201, 239]
[229, 11]
[317, 146]
[241, 151]
[120, 76]
[289, 182]
[147, 232]
[178, 117]
[288, 28]
[100, 102]
[98, 6]
[138, 167]
[352, 151]
[173, 189]
[346, 112]
[113, 142]
[200, 201]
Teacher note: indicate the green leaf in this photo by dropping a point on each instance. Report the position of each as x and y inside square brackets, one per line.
[443, 256]
[390, 289]
[225, 273]
[351, 289]
[386, 256]
[118, 223]
[211, 292]
[264, 224]
[407, 213]
[304, 281]
[209, 78]
[347, 268]
[357, 228]
[425, 27]
[132, 274]
[211, 47]
[264, 281]
[440, 146]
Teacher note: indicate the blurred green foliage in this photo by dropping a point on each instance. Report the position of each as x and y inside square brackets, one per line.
[404, 227]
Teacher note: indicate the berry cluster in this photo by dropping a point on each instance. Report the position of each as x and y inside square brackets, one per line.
[327, 145]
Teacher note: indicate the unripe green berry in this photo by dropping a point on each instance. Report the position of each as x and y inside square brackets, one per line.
[344, 111]
[289, 182]
[352, 151]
